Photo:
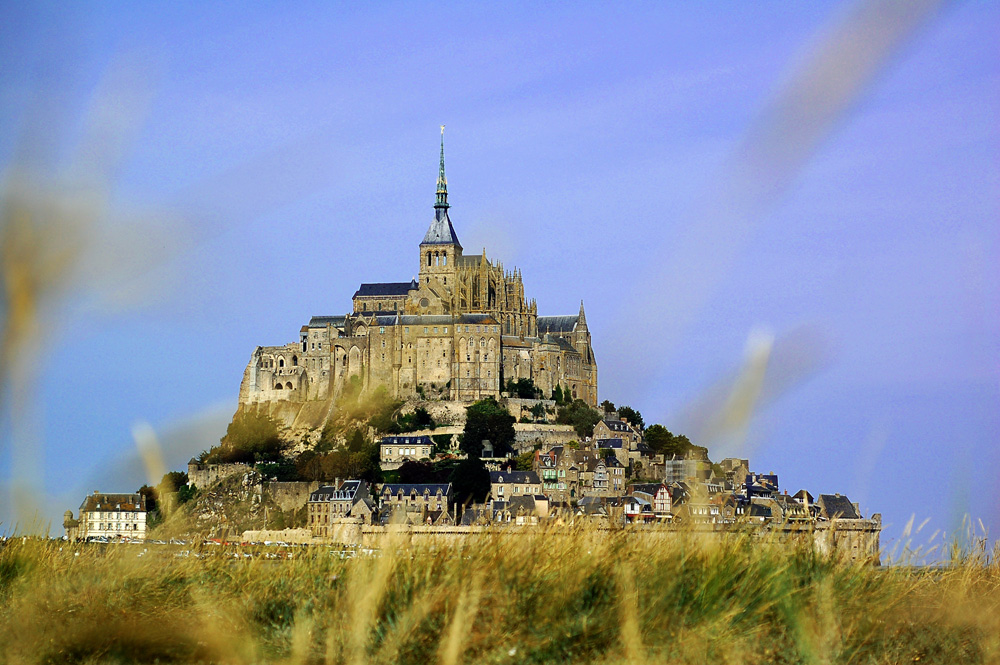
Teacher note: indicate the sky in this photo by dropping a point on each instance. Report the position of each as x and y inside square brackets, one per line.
[229, 172]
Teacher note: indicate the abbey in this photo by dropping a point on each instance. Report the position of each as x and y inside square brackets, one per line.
[459, 331]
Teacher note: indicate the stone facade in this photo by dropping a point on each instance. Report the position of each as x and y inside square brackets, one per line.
[459, 331]
[112, 516]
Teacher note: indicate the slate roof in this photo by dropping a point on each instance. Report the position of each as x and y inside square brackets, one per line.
[836, 505]
[403, 439]
[519, 477]
[609, 443]
[647, 488]
[324, 321]
[112, 502]
[557, 324]
[617, 425]
[441, 232]
[386, 289]
[419, 488]
[346, 492]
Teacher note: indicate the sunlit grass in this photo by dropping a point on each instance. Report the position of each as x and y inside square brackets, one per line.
[503, 597]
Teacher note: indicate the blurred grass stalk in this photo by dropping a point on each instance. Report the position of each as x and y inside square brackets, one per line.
[504, 596]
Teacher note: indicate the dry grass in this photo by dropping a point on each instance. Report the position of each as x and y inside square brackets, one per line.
[575, 597]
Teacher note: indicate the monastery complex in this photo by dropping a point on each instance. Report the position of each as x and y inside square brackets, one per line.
[459, 331]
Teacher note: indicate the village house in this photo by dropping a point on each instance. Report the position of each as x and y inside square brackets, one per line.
[419, 501]
[112, 516]
[333, 503]
[394, 450]
[657, 494]
[506, 484]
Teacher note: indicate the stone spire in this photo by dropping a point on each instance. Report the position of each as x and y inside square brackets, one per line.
[441, 232]
[581, 322]
[442, 186]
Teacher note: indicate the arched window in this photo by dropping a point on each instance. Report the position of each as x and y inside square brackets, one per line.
[278, 386]
[444, 258]
[430, 258]
[288, 385]
[295, 361]
[281, 362]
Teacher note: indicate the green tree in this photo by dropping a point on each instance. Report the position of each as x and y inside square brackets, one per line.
[608, 406]
[538, 411]
[633, 416]
[658, 437]
[487, 420]
[580, 416]
[557, 394]
[251, 437]
[470, 481]
[525, 461]
[411, 472]
[523, 389]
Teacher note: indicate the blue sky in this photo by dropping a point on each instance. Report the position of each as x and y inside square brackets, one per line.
[274, 158]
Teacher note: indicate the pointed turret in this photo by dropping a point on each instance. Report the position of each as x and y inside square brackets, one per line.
[440, 251]
[441, 232]
[581, 323]
[442, 185]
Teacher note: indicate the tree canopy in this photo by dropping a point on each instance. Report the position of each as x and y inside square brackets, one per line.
[661, 440]
[470, 481]
[580, 416]
[488, 420]
[631, 415]
[251, 437]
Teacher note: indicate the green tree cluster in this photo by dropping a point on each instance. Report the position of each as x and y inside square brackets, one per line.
[523, 389]
[470, 481]
[580, 416]
[632, 416]
[358, 459]
[251, 437]
[662, 441]
[488, 420]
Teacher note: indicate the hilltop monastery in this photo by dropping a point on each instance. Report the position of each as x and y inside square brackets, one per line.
[459, 331]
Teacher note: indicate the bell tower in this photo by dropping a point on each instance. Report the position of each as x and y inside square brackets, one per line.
[440, 249]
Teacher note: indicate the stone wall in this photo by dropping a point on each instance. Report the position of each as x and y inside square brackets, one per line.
[206, 475]
[291, 495]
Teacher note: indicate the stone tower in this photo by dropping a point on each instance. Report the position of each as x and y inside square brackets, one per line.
[440, 250]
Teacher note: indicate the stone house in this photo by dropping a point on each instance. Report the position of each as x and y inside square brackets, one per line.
[559, 473]
[333, 503]
[112, 516]
[417, 497]
[394, 450]
[658, 495]
[506, 484]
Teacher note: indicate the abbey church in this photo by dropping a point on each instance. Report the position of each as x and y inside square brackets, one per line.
[459, 331]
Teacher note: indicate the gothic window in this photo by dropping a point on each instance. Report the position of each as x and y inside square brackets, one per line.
[429, 259]
[288, 385]
[444, 258]
[295, 361]
[278, 386]
[281, 362]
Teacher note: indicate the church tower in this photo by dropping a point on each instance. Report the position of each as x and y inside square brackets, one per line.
[440, 250]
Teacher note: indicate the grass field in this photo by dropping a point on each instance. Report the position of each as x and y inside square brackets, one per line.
[585, 597]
